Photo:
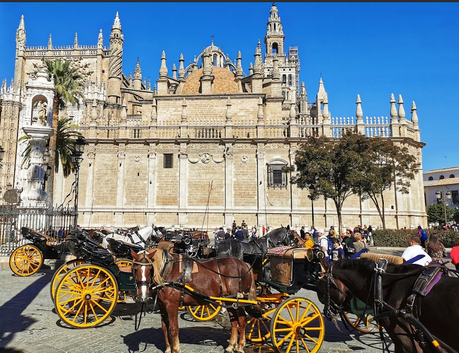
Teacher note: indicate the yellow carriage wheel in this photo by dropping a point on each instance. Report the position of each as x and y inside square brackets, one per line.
[297, 326]
[124, 265]
[86, 296]
[204, 312]
[365, 324]
[60, 273]
[257, 329]
[26, 260]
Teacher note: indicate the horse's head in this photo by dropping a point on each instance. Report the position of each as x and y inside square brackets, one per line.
[332, 292]
[143, 271]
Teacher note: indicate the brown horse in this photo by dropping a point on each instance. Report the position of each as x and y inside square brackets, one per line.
[416, 320]
[174, 280]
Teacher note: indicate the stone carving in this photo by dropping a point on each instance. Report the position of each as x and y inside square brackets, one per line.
[42, 118]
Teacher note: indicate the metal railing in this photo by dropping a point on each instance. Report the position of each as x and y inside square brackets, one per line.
[55, 222]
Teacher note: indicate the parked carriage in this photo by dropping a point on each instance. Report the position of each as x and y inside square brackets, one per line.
[87, 294]
[28, 258]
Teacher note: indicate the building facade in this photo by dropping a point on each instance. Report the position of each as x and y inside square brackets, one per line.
[201, 147]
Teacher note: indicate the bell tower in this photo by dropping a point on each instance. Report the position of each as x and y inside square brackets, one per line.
[274, 38]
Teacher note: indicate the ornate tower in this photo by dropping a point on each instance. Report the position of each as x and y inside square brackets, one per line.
[274, 38]
[115, 63]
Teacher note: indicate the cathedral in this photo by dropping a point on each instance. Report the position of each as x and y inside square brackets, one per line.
[204, 145]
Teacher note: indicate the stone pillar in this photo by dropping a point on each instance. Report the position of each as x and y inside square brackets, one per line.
[34, 194]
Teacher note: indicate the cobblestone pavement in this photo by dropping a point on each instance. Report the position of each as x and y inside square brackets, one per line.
[29, 324]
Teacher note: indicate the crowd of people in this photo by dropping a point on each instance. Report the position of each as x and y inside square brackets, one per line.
[337, 246]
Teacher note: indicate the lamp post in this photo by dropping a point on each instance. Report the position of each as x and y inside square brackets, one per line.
[443, 200]
[312, 196]
[76, 160]
[2, 153]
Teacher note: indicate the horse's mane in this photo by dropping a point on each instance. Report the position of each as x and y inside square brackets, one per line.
[367, 265]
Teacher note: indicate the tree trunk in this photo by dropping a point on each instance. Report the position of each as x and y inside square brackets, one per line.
[52, 149]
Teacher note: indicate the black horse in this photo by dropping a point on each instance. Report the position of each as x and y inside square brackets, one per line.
[255, 246]
[417, 319]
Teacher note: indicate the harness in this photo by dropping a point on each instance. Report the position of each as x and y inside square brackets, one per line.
[428, 278]
[187, 264]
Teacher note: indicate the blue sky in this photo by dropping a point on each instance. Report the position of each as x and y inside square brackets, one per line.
[367, 48]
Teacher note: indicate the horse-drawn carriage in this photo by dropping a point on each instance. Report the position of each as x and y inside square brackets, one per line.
[87, 293]
[28, 258]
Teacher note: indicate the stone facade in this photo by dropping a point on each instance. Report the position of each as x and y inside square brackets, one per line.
[205, 145]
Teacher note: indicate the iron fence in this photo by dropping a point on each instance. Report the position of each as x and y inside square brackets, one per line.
[55, 222]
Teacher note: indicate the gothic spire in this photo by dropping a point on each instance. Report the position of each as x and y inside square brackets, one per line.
[401, 110]
[163, 68]
[137, 70]
[100, 40]
[359, 111]
[75, 41]
[181, 71]
[50, 42]
[117, 22]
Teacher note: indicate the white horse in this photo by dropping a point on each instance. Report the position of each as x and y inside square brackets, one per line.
[139, 237]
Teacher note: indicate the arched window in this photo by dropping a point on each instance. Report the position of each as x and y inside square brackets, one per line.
[275, 48]
[290, 79]
[284, 78]
[442, 177]
[430, 178]
[215, 60]
[277, 178]
[452, 176]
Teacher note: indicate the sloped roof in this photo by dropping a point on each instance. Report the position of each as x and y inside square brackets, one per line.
[224, 82]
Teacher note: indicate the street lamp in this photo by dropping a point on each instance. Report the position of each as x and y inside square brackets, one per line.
[76, 160]
[443, 200]
[312, 196]
[2, 153]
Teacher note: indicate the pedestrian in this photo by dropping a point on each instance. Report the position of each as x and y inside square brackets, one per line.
[324, 244]
[302, 232]
[220, 234]
[414, 249]
[337, 252]
[359, 243]
[454, 255]
[308, 243]
[238, 235]
[423, 236]
[435, 248]
[254, 231]
[245, 231]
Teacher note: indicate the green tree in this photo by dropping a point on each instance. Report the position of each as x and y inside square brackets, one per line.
[331, 167]
[69, 89]
[436, 213]
[386, 165]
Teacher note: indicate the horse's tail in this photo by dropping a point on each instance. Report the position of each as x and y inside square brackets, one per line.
[253, 310]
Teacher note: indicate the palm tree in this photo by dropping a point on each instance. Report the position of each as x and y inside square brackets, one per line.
[69, 86]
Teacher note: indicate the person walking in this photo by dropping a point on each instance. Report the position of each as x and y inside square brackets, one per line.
[423, 236]
[435, 248]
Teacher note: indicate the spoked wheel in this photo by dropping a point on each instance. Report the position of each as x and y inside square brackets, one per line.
[86, 296]
[204, 312]
[60, 273]
[124, 265]
[257, 329]
[297, 326]
[26, 260]
[365, 324]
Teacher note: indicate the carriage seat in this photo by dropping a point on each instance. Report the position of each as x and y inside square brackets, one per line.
[396, 260]
[30, 233]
